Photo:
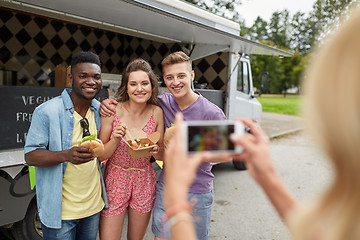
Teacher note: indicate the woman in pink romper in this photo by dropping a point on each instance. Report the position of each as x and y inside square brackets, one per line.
[130, 183]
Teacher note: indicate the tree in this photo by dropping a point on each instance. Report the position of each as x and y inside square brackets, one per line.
[259, 30]
[279, 28]
[300, 32]
[225, 8]
[297, 34]
[298, 69]
[325, 16]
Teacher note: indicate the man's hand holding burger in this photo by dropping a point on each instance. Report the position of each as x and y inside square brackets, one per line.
[89, 148]
[80, 155]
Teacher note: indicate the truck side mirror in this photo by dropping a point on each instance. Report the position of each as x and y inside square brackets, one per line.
[264, 81]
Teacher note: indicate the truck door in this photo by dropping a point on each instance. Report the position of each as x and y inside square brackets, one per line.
[240, 100]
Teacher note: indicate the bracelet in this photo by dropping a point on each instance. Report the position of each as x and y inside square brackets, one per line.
[174, 210]
[179, 217]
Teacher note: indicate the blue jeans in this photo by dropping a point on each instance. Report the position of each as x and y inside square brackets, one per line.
[201, 213]
[79, 229]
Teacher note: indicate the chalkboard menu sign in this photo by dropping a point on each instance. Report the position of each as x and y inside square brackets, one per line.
[17, 105]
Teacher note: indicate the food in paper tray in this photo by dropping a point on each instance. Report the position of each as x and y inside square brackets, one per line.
[136, 144]
[139, 144]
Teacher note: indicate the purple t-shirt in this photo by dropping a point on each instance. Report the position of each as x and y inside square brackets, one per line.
[201, 109]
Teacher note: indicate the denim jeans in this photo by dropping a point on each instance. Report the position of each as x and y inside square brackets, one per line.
[201, 213]
[78, 229]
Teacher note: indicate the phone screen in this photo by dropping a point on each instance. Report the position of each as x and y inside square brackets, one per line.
[210, 138]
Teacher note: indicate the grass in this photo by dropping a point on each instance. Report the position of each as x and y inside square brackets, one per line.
[289, 105]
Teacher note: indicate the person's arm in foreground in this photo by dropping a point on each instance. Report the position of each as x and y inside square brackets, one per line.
[179, 175]
[108, 107]
[257, 158]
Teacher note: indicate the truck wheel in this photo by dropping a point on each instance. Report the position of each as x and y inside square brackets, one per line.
[239, 165]
[30, 227]
[5, 233]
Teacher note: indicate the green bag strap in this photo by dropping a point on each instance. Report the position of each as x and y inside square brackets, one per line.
[32, 177]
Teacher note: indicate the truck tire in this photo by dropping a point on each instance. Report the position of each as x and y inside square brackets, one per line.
[239, 165]
[30, 227]
[5, 233]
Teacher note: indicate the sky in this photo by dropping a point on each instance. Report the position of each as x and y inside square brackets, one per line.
[251, 9]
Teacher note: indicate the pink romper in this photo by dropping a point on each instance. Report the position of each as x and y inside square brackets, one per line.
[129, 187]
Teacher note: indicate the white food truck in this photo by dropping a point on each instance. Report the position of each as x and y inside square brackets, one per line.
[38, 35]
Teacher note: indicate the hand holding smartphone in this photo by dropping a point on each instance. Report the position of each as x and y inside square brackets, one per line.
[212, 136]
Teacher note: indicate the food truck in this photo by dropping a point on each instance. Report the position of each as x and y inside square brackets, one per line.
[39, 35]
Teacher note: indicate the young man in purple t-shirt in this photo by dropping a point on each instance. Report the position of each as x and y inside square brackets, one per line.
[178, 75]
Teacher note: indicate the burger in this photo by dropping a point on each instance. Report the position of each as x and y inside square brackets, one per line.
[94, 144]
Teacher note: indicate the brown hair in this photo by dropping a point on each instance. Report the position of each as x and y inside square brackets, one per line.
[138, 65]
[176, 57]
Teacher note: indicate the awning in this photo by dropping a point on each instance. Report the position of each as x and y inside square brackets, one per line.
[159, 20]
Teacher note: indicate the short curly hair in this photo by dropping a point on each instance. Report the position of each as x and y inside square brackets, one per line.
[84, 57]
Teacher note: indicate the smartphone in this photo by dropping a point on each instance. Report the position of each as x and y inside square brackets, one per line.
[212, 135]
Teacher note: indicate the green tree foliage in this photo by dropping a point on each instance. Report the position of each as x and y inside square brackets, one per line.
[279, 28]
[297, 34]
[326, 15]
[258, 31]
[300, 33]
[225, 8]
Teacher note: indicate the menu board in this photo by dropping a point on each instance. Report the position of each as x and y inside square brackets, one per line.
[17, 104]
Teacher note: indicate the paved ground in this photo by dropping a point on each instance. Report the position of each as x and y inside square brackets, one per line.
[241, 210]
[276, 125]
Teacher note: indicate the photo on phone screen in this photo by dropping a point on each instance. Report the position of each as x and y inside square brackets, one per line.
[213, 136]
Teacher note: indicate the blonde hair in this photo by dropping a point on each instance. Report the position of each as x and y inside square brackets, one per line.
[176, 57]
[333, 111]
